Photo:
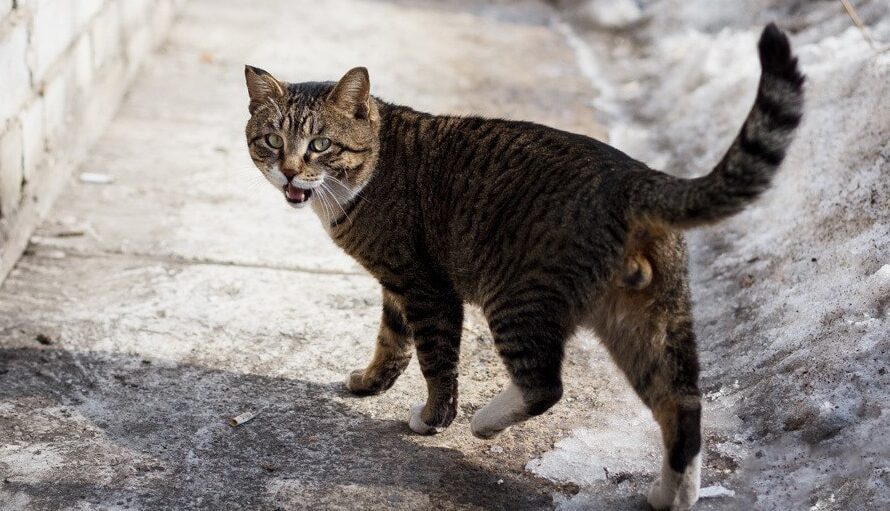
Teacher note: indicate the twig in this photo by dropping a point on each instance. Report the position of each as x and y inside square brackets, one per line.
[851, 11]
[241, 419]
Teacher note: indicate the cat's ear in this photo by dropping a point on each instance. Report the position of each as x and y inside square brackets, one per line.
[352, 93]
[261, 86]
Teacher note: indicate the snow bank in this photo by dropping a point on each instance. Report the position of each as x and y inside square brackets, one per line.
[793, 295]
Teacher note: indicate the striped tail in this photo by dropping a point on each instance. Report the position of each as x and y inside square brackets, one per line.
[747, 169]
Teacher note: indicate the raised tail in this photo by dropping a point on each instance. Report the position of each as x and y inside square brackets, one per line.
[747, 169]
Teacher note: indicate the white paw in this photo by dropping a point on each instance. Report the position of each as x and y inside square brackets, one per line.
[481, 429]
[506, 409]
[661, 496]
[415, 422]
[676, 491]
[350, 380]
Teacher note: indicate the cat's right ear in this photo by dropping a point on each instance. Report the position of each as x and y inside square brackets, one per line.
[261, 86]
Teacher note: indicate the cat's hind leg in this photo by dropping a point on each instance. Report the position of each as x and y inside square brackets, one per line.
[672, 393]
[391, 355]
[668, 385]
[648, 331]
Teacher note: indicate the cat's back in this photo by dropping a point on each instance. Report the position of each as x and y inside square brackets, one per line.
[505, 173]
[528, 146]
[495, 187]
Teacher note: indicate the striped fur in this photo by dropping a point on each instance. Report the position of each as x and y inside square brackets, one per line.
[748, 167]
[547, 231]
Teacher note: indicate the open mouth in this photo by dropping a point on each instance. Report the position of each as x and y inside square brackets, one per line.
[296, 195]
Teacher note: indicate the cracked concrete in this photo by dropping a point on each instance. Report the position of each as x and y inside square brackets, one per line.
[148, 311]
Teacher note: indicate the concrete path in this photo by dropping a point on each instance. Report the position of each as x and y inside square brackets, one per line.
[150, 310]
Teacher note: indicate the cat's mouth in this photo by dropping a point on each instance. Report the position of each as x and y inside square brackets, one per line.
[296, 195]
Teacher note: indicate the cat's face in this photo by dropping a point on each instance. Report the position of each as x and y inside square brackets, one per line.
[314, 141]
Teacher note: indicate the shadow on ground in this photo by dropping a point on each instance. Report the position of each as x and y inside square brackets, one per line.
[155, 423]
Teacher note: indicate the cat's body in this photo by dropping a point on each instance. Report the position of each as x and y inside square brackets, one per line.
[547, 231]
[471, 195]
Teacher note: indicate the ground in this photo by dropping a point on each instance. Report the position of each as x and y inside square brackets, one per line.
[150, 310]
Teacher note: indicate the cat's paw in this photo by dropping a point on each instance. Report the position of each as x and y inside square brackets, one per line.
[416, 423]
[356, 384]
[660, 495]
[419, 425]
[506, 409]
[481, 429]
[675, 491]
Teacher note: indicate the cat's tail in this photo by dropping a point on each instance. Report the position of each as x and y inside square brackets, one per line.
[748, 167]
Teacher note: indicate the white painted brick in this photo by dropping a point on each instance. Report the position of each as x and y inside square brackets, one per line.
[56, 94]
[10, 169]
[139, 45]
[64, 67]
[85, 10]
[99, 106]
[5, 8]
[106, 36]
[53, 29]
[83, 61]
[134, 13]
[162, 12]
[33, 137]
[15, 79]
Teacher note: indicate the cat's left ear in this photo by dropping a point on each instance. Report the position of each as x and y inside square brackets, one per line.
[352, 93]
[261, 86]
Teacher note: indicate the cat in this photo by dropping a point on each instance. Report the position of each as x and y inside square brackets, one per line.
[547, 231]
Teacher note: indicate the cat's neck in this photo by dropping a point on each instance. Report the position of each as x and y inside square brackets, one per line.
[332, 204]
[401, 139]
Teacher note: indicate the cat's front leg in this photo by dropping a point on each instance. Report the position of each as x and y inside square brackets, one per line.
[435, 318]
[391, 355]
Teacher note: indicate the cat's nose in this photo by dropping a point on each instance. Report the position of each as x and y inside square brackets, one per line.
[291, 166]
[288, 173]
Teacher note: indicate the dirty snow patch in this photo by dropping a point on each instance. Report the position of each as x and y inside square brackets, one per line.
[715, 491]
[624, 444]
[613, 13]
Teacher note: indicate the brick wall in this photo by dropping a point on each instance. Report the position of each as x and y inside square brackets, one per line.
[64, 67]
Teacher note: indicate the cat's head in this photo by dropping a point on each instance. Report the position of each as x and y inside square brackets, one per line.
[313, 140]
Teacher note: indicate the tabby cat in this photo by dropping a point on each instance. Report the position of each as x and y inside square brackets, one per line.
[547, 231]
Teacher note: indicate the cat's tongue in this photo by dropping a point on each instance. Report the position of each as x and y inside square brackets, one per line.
[295, 194]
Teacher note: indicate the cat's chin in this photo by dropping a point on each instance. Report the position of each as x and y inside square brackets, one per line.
[297, 205]
[297, 197]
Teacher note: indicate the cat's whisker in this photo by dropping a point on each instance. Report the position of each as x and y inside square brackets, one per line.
[353, 193]
[329, 211]
[337, 201]
[318, 195]
[333, 197]
[327, 205]
[342, 185]
[331, 207]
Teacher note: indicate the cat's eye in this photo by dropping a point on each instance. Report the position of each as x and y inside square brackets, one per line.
[320, 144]
[274, 141]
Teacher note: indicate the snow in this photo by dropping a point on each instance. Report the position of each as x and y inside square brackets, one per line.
[715, 491]
[613, 13]
[581, 458]
[791, 296]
